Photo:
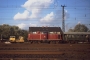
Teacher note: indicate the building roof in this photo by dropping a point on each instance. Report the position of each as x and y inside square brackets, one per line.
[48, 29]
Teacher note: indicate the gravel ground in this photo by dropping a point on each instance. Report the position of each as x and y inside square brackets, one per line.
[26, 51]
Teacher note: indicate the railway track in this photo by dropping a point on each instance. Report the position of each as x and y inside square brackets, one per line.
[31, 52]
[7, 50]
[39, 45]
[43, 57]
[30, 55]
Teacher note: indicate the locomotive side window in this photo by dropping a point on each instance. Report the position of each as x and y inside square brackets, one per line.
[42, 33]
[51, 32]
[58, 32]
[34, 32]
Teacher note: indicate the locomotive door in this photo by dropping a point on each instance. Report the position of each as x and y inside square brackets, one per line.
[46, 35]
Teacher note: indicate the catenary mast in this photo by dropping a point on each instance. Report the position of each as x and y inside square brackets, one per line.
[63, 20]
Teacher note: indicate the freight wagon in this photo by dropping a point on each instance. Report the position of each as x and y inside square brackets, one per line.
[45, 34]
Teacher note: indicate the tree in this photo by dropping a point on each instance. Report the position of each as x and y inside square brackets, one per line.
[89, 31]
[79, 28]
[6, 31]
[70, 30]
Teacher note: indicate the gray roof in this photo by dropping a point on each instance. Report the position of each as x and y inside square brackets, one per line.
[76, 32]
[48, 29]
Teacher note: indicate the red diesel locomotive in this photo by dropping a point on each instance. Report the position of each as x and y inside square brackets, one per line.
[45, 34]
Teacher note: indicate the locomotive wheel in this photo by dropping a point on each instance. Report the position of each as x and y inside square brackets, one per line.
[34, 42]
[52, 42]
[30, 42]
[57, 42]
[39, 42]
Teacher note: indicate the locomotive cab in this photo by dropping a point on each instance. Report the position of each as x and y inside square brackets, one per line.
[45, 37]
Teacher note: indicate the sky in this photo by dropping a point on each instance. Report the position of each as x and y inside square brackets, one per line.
[30, 13]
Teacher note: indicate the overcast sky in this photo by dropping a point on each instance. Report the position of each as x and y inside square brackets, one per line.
[26, 13]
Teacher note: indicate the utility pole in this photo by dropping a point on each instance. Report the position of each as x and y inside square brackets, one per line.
[63, 20]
